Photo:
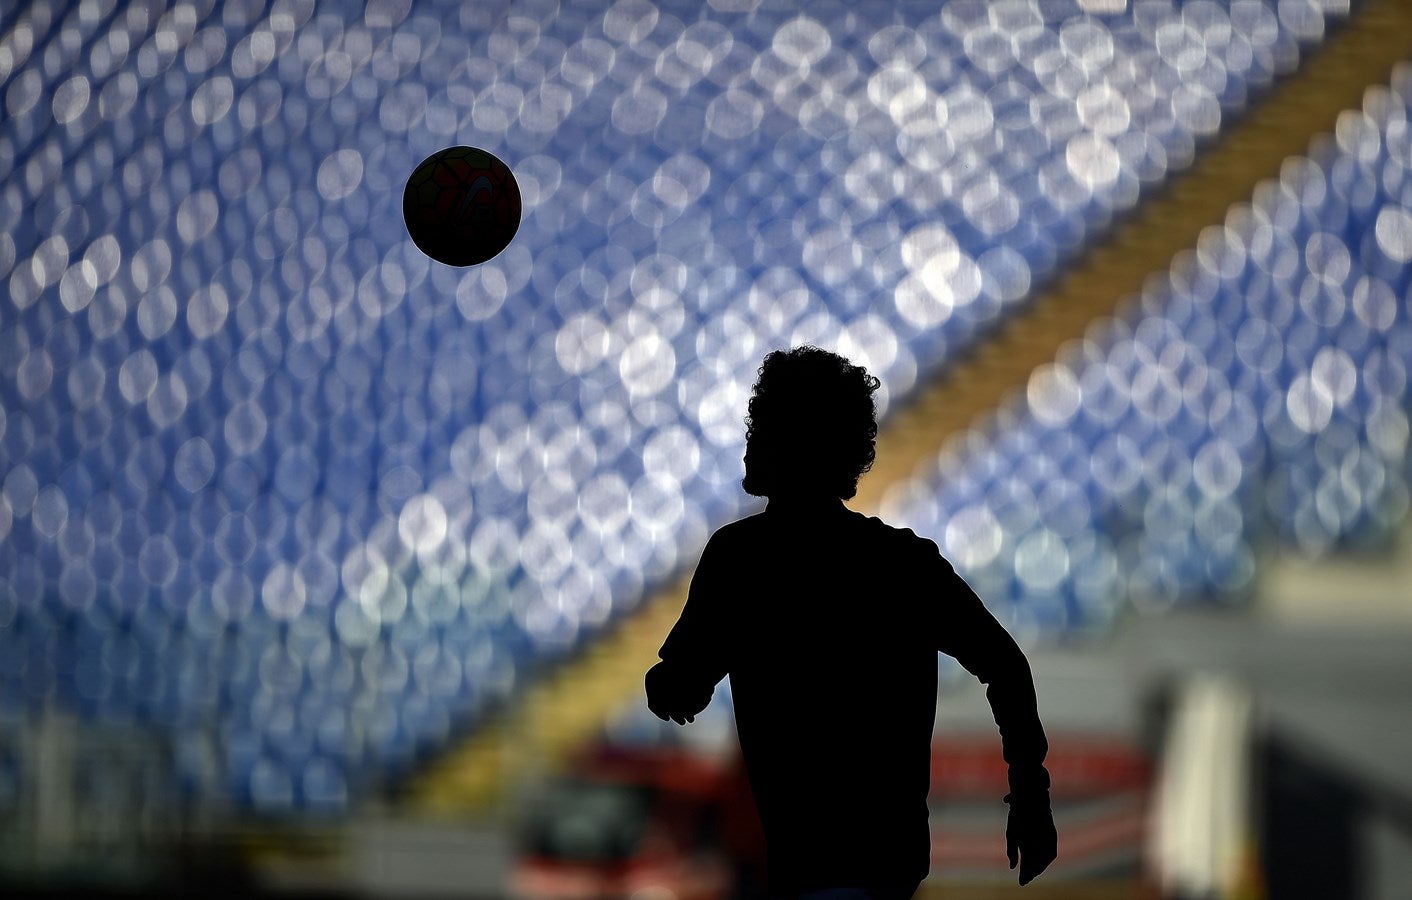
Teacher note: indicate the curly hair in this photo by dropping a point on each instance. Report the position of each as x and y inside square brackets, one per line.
[812, 425]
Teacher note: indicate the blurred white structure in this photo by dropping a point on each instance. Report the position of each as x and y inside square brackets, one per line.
[1202, 831]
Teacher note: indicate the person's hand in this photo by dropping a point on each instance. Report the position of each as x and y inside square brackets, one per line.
[1030, 839]
[670, 700]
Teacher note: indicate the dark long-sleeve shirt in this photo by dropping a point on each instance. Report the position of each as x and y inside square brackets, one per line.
[828, 624]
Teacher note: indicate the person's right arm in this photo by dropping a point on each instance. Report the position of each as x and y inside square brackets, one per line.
[964, 629]
[695, 652]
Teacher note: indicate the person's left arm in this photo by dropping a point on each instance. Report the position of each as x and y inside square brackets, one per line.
[695, 652]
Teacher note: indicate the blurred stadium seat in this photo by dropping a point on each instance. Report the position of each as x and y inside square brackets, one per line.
[274, 483]
[1258, 393]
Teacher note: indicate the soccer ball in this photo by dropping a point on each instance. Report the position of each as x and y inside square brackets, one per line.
[462, 206]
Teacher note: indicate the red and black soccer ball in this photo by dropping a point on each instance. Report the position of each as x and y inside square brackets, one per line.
[462, 206]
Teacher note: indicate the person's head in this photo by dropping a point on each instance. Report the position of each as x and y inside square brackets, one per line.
[811, 427]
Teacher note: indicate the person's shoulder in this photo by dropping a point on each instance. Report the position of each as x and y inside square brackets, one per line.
[735, 532]
[881, 530]
[900, 538]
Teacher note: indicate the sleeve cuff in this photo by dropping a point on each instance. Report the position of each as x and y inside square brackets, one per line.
[1027, 784]
[1031, 800]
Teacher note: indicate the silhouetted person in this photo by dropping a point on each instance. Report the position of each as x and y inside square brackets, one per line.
[828, 623]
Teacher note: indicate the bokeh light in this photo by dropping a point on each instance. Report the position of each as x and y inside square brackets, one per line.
[1257, 393]
[309, 502]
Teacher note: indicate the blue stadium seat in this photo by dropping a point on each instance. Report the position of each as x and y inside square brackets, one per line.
[1259, 394]
[271, 480]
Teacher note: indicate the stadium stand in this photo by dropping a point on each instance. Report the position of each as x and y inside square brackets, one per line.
[1257, 393]
[278, 487]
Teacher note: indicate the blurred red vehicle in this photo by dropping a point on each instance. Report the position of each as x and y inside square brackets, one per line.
[642, 822]
[671, 822]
